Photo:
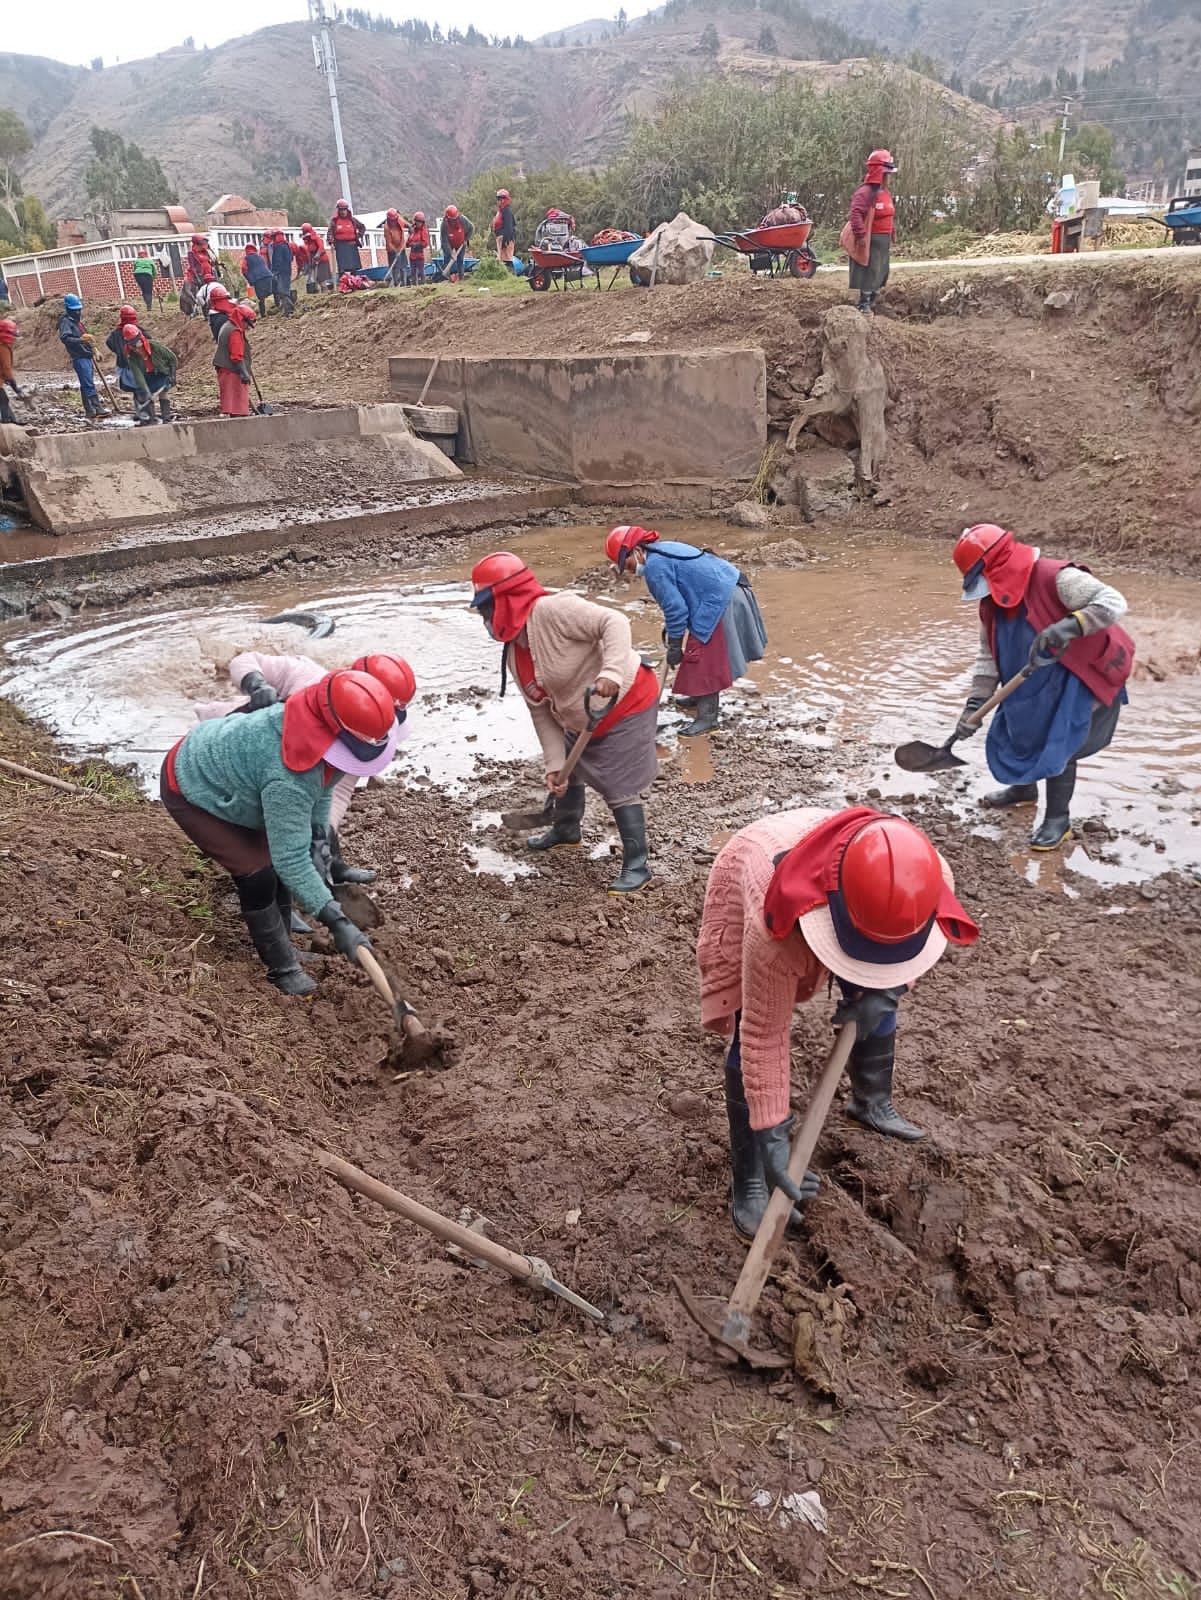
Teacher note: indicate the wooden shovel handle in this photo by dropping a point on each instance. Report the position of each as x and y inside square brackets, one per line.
[770, 1232]
[410, 1023]
[1003, 693]
[472, 1244]
[582, 742]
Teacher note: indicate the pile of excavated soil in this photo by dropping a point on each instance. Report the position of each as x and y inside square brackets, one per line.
[1068, 424]
[222, 1375]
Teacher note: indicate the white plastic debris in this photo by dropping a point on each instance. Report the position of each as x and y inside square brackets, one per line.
[805, 1508]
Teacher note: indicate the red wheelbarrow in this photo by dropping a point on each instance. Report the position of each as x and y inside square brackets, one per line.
[780, 252]
[558, 269]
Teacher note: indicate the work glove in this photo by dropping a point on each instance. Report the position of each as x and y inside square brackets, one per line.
[1053, 641]
[260, 691]
[245, 379]
[322, 851]
[675, 651]
[965, 727]
[775, 1146]
[347, 938]
[867, 1009]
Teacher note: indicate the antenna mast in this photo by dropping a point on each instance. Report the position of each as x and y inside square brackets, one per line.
[327, 64]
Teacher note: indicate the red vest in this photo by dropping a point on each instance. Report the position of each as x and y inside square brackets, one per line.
[882, 216]
[1102, 661]
[455, 233]
[343, 228]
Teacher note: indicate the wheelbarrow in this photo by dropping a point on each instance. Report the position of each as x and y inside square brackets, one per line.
[554, 269]
[780, 252]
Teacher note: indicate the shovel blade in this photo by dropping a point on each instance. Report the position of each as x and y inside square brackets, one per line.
[920, 757]
[714, 1326]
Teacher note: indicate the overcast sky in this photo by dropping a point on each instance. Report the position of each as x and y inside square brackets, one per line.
[77, 30]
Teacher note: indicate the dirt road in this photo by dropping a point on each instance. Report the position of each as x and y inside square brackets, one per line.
[236, 1380]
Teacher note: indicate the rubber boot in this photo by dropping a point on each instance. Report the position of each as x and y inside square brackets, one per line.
[564, 831]
[865, 303]
[1056, 825]
[870, 1071]
[269, 935]
[1013, 794]
[292, 920]
[748, 1192]
[164, 408]
[635, 873]
[705, 716]
[339, 872]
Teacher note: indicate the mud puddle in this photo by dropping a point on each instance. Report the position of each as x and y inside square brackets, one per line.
[869, 646]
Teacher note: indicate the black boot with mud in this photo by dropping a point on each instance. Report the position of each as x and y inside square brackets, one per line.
[1013, 794]
[635, 871]
[749, 1193]
[1056, 825]
[705, 716]
[870, 1071]
[564, 831]
[269, 935]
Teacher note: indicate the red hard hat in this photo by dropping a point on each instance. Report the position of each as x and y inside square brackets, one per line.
[342, 205]
[882, 158]
[890, 881]
[8, 330]
[393, 213]
[394, 672]
[249, 314]
[974, 543]
[198, 238]
[361, 705]
[126, 314]
[131, 330]
[622, 540]
[419, 216]
[452, 212]
[503, 194]
[219, 292]
[493, 570]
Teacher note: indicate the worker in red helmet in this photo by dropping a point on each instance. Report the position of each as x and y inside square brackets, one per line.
[232, 360]
[504, 228]
[418, 247]
[792, 900]
[199, 266]
[872, 223]
[250, 791]
[456, 232]
[8, 380]
[1055, 620]
[136, 367]
[318, 274]
[346, 235]
[265, 680]
[395, 235]
[574, 662]
[712, 622]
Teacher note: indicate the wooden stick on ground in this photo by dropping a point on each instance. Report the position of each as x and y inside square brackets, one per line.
[45, 777]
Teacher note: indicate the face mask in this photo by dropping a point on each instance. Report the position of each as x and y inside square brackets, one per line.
[486, 613]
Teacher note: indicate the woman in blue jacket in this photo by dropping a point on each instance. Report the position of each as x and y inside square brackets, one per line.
[712, 619]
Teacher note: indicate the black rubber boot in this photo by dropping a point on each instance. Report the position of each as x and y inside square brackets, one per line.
[164, 408]
[635, 871]
[339, 872]
[704, 718]
[269, 935]
[564, 831]
[870, 1072]
[865, 302]
[1056, 825]
[1013, 794]
[6, 411]
[749, 1192]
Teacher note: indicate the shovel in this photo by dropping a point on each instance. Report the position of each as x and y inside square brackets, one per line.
[918, 756]
[731, 1328]
[416, 1046]
[519, 820]
[529, 1270]
[264, 407]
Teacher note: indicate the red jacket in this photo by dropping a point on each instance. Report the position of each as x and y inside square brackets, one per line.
[1102, 661]
[419, 238]
[872, 210]
[199, 267]
[344, 229]
[394, 234]
[454, 233]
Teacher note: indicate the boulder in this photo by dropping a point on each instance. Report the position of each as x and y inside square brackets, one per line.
[748, 514]
[851, 388]
[817, 478]
[678, 248]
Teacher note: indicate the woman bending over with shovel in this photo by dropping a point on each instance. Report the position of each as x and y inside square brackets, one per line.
[1057, 623]
[264, 680]
[582, 680]
[251, 791]
[701, 597]
[793, 899]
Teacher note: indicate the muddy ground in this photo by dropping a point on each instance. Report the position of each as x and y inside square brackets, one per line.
[1074, 425]
[221, 1375]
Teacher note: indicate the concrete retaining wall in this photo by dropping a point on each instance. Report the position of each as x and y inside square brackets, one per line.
[651, 417]
[113, 478]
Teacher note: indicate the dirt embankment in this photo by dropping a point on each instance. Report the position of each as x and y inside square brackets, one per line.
[1073, 425]
[236, 1380]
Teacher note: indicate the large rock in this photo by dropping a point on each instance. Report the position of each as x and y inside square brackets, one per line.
[851, 388]
[749, 514]
[679, 249]
[817, 478]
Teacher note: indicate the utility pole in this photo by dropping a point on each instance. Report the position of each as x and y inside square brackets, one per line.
[327, 65]
[1063, 126]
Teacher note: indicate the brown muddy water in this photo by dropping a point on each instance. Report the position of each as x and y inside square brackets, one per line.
[869, 645]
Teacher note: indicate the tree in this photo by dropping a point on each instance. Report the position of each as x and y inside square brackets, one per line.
[14, 143]
[767, 41]
[709, 44]
[300, 203]
[120, 176]
[1089, 153]
[1012, 189]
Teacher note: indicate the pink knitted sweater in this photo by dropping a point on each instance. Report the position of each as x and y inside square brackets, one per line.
[744, 969]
